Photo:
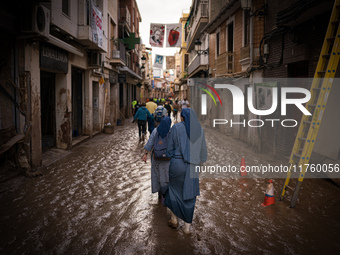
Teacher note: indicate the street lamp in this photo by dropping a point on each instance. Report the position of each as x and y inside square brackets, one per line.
[143, 63]
[143, 60]
[198, 48]
[246, 5]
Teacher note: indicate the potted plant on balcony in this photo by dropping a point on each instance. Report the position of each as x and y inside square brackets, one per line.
[115, 50]
[114, 40]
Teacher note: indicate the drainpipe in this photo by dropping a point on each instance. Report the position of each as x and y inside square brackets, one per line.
[251, 50]
[251, 53]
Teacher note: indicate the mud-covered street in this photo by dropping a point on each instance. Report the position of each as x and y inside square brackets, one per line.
[97, 200]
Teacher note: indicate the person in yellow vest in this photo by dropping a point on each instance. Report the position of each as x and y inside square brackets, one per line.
[134, 102]
[151, 106]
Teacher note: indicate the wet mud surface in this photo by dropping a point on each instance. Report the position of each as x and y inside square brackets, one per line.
[98, 200]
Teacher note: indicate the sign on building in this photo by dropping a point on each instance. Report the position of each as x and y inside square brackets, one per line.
[96, 25]
[112, 77]
[122, 78]
[53, 58]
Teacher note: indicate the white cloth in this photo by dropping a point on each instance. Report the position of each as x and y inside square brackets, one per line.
[184, 103]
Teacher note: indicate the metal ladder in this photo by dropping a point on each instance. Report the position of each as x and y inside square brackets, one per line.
[320, 89]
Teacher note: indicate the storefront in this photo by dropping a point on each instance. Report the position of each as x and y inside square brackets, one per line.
[53, 62]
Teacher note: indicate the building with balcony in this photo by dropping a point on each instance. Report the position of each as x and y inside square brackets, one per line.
[234, 38]
[62, 64]
[229, 39]
[62, 57]
[198, 18]
[198, 65]
[130, 79]
[146, 73]
[182, 60]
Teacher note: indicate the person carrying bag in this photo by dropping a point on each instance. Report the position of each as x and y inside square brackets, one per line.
[158, 143]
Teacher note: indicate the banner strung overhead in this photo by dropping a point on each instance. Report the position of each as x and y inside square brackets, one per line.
[157, 35]
[159, 60]
[157, 73]
[170, 62]
[96, 25]
[173, 35]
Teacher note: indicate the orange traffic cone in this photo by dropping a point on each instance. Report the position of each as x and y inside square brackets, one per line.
[269, 198]
[243, 167]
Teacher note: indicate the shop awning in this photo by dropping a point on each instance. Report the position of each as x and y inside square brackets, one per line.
[61, 44]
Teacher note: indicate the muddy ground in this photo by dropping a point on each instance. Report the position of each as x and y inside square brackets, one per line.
[97, 200]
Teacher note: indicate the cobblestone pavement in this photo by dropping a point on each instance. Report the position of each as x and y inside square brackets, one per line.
[97, 200]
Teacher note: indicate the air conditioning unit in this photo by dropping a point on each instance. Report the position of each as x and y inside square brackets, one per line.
[35, 19]
[95, 59]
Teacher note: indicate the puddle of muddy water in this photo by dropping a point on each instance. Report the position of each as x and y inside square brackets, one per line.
[97, 200]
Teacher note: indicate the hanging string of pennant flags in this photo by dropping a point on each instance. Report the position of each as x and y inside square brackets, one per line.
[172, 35]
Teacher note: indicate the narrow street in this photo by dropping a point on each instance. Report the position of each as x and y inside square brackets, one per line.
[97, 200]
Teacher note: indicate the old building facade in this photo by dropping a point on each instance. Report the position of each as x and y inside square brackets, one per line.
[251, 44]
[61, 77]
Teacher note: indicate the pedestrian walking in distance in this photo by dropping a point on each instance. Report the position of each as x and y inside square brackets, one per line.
[187, 149]
[141, 117]
[184, 103]
[176, 109]
[151, 106]
[137, 106]
[168, 107]
[158, 143]
[159, 113]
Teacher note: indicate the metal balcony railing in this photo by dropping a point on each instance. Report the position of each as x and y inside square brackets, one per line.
[128, 59]
[245, 52]
[194, 64]
[204, 8]
[202, 12]
[224, 63]
[120, 53]
[230, 62]
[124, 15]
[197, 61]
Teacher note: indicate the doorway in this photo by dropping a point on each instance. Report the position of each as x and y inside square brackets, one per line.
[77, 102]
[231, 36]
[96, 119]
[47, 99]
[113, 103]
